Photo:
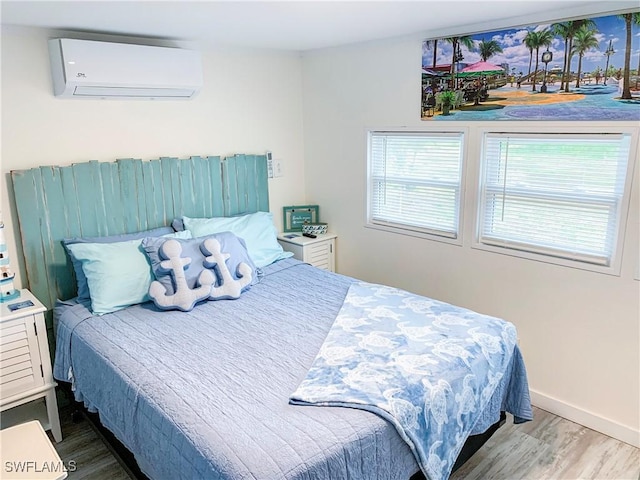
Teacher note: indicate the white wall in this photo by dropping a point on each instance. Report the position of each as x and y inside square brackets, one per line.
[579, 330]
[251, 102]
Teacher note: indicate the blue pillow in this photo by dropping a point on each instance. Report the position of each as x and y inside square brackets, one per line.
[177, 224]
[192, 248]
[118, 274]
[256, 229]
[84, 295]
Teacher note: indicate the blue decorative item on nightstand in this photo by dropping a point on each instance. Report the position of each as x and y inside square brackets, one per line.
[7, 290]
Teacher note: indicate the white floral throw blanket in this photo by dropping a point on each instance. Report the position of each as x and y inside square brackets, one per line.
[437, 372]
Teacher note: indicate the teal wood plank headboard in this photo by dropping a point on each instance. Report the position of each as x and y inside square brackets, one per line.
[109, 198]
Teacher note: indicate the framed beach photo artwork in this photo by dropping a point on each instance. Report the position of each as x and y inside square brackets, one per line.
[584, 69]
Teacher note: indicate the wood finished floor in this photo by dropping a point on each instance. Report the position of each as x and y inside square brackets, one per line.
[549, 448]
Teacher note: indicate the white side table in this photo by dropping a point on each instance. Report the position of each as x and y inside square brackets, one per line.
[319, 252]
[28, 454]
[25, 367]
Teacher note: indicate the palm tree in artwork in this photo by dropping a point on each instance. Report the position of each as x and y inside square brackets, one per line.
[574, 26]
[563, 30]
[630, 19]
[488, 49]
[455, 43]
[433, 44]
[529, 42]
[543, 38]
[583, 41]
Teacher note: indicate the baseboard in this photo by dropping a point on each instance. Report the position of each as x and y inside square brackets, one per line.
[588, 419]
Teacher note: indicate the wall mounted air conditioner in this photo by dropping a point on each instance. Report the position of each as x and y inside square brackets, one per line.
[90, 69]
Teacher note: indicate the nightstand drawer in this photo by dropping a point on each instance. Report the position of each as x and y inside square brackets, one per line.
[20, 364]
[319, 251]
[21, 381]
[318, 255]
[13, 327]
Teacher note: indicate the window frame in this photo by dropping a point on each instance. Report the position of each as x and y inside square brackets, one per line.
[614, 267]
[408, 229]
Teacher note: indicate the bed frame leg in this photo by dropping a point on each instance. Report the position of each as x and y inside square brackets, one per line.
[77, 416]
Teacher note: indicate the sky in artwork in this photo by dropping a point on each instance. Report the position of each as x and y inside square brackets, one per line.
[516, 55]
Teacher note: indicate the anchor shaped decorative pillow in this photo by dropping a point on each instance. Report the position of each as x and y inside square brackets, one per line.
[184, 297]
[228, 287]
[200, 269]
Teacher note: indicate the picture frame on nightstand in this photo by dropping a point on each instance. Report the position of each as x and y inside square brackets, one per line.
[297, 215]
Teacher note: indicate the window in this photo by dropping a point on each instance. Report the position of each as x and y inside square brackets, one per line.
[561, 195]
[415, 182]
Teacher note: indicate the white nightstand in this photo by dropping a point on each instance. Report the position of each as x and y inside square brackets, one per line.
[25, 368]
[27, 453]
[319, 252]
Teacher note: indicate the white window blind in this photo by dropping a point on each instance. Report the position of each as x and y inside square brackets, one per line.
[415, 181]
[554, 194]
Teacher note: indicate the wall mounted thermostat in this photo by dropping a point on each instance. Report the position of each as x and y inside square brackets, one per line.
[269, 165]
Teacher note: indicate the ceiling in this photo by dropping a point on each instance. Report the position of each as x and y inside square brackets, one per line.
[290, 25]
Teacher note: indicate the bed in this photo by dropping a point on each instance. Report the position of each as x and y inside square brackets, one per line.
[206, 393]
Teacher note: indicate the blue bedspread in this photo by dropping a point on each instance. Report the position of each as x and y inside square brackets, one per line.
[432, 369]
[204, 394]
